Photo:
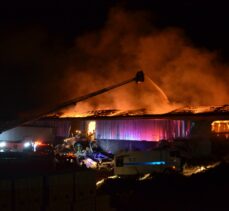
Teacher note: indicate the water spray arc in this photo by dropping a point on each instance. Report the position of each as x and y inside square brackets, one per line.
[162, 93]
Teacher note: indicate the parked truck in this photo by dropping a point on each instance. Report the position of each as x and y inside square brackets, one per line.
[142, 162]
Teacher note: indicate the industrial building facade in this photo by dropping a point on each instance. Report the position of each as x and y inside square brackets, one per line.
[115, 133]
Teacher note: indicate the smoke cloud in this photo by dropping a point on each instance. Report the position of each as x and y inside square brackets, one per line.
[46, 73]
[187, 75]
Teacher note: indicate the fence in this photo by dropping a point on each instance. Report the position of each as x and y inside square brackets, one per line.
[67, 191]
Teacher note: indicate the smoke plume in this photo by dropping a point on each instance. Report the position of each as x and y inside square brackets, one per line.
[42, 72]
[187, 75]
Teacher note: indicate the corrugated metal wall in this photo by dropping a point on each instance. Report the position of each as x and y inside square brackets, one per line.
[142, 129]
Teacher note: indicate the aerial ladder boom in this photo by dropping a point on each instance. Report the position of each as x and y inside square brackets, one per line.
[138, 78]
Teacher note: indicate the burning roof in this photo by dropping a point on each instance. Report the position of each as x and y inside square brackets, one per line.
[190, 110]
[202, 109]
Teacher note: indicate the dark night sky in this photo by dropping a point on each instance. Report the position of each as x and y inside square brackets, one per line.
[34, 36]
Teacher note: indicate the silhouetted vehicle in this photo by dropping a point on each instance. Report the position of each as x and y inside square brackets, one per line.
[144, 162]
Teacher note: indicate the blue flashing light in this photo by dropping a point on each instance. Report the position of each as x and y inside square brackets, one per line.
[151, 163]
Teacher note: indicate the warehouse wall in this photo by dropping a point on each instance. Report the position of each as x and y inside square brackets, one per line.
[142, 129]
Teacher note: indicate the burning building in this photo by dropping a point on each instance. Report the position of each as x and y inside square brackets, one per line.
[116, 130]
[135, 130]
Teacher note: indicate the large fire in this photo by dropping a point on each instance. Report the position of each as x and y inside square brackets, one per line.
[185, 74]
[178, 73]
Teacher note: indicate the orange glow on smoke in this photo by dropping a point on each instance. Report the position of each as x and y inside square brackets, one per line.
[127, 43]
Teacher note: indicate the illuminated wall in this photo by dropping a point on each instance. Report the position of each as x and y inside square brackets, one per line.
[142, 129]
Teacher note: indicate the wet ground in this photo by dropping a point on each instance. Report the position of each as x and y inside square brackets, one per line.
[205, 190]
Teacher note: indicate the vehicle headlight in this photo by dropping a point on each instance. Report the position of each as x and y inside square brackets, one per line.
[2, 144]
[27, 144]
